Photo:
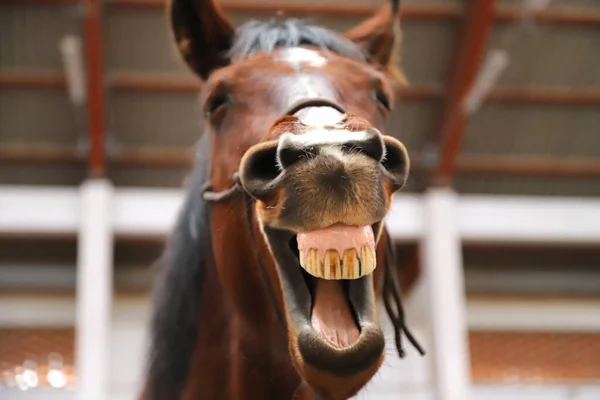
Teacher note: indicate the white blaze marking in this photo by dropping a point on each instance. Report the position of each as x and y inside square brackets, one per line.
[306, 87]
[328, 141]
[322, 137]
[307, 84]
[319, 116]
[298, 56]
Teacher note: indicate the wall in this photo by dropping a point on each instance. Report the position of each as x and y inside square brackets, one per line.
[407, 377]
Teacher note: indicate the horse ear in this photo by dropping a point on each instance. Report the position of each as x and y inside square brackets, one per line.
[380, 37]
[203, 34]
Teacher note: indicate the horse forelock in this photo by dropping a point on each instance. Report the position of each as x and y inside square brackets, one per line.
[266, 36]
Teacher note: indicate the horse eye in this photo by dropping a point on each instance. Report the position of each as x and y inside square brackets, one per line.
[215, 103]
[383, 100]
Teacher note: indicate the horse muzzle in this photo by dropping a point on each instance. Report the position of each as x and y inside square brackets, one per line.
[322, 193]
[311, 177]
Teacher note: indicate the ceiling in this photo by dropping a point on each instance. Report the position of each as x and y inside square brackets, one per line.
[537, 132]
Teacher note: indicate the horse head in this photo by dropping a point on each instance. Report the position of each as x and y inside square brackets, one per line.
[295, 117]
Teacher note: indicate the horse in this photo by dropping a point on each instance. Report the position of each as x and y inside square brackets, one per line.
[270, 277]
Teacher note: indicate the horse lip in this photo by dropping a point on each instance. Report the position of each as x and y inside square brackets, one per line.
[365, 352]
[298, 306]
[361, 355]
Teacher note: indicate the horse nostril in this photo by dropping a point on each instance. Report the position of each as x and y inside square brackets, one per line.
[396, 161]
[289, 152]
[259, 169]
[372, 145]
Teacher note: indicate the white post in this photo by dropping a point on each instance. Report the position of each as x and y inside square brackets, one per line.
[94, 289]
[442, 272]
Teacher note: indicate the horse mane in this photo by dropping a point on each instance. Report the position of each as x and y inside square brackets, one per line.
[178, 293]
[265, 36]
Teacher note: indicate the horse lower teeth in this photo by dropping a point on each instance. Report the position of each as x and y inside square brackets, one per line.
[352, 265]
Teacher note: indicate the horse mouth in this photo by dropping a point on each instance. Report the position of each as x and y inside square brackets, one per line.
[329, 299]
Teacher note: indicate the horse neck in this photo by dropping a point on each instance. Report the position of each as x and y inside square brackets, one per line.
[239, 274]
[240, 345]
[211, 356]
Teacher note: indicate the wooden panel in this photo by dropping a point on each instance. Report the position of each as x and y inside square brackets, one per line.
[19, 345]
[502, 357]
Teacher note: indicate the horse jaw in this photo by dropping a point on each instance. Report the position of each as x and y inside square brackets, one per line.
[335, 371]
[322, 191]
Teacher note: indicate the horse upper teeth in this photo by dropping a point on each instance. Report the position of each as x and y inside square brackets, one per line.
[352, 265]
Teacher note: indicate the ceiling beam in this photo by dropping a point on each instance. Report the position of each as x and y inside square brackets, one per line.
[474, 165]
[569, 16]
[163, 158]
[40, 2]
[37, 154]
[469, 55]
[562, 16]
[529, 166]
[153, 83]
[158, 83]
[19, 153]
[416, 12]
[557, 96]
[563, 96]
[162, 83]
[28, 80]
[96, 114]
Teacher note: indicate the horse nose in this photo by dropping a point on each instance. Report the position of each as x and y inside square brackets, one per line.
[386, 150]
[263, 166]
[294, 148]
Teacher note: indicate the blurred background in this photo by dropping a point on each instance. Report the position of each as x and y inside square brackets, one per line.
[502, 121]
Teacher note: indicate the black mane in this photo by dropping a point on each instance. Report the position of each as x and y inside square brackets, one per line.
[177, 295]
[265, 36]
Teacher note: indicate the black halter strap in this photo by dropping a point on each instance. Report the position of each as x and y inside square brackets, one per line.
[390, 288]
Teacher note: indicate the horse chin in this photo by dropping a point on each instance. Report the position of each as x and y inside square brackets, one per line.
[337, 372]
[335, 339]
[337, 382]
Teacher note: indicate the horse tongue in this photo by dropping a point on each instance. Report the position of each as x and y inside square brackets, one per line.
[331, 315]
